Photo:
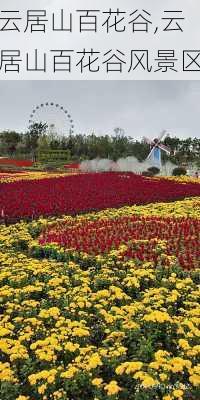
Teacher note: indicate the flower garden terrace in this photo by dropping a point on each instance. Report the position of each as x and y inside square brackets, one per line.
[98, 326]
[138, 235]
[73, 194]
[134, 231]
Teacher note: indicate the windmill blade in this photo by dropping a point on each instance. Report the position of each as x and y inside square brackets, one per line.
[150, 152]
[164, 148]
[148, 141]
[163, 133]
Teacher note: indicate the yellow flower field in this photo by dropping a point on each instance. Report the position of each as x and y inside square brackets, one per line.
[79, 327]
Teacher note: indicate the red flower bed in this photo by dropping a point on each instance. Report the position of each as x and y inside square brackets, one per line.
[72, 166]
[9, 172]
[18, 163]
[85, 192]
[100, 236]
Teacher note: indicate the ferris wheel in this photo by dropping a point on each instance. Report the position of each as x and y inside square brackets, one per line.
[58, 119]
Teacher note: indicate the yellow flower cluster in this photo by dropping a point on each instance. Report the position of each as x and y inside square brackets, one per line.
[31, 176]
[182, 179]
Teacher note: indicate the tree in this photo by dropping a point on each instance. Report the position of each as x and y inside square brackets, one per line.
[119, 131]
[35, 131]
[9, 141]
[43, 142]
[178, 171]
[120, 144]
[140, 150]
[173, 143]
[154, 170]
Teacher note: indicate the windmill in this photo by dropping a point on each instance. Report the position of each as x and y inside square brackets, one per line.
[156, 149]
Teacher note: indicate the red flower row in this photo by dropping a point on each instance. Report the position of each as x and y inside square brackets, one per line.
[17, 163]
[72, 166]
[100, 236]
[86, 192]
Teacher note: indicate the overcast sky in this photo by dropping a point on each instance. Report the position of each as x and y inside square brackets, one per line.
[139, 107]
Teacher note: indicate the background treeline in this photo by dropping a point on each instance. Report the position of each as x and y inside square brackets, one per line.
[80, 147]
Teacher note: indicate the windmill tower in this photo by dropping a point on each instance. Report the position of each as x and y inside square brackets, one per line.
[155, 155]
